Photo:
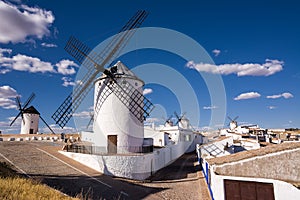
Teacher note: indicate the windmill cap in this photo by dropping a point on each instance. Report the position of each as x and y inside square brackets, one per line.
[124, 70]
[31, 110]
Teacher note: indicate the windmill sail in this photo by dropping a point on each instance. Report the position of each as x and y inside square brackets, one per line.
[31, 110]
[95, 64]
[21, 109]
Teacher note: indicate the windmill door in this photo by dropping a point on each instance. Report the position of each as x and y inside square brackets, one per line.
[112, 143]
[248, 190]
[31, 131]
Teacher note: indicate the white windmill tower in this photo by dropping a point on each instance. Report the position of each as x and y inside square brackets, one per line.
[30, 117]
[119, 105]
[182, 121]
[119, 119]
[233, 123]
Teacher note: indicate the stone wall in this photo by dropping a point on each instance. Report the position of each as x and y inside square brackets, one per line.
[284, 165]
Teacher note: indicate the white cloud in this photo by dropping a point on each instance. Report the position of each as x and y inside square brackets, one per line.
[6, 95]
[210, 107]
[27, 63]
[2, 51]
[86, 114]
[67, 81]
[285, 95]
[66, 67]
[7, 92]
[248, 95]
[49, 45]
[7, 103]
[268, 68]
[272, 107]
[147, 91]
[57, 129]
[21, 62]
[18, 22]
[152, 119]
[83, 114]
[216, 52]
[6, 128]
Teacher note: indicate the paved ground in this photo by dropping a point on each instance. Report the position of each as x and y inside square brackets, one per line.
[41, 161]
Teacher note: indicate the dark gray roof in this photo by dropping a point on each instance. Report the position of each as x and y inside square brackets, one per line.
[31, 110]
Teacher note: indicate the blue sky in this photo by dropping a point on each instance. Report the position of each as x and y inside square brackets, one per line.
[255, 47]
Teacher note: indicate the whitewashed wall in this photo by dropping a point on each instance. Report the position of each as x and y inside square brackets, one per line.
[114, 118]
[135, 166]
[159, 138]
[31, 122]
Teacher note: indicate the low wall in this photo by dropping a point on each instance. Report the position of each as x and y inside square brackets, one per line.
[132, 166]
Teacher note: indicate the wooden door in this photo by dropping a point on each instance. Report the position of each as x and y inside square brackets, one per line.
[232, 190]
[248, 190]
[112, 143]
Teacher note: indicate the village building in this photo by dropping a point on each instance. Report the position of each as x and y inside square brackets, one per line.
[271, 172]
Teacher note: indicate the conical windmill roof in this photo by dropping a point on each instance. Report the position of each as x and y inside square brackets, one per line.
[124, 71]
[31, 110]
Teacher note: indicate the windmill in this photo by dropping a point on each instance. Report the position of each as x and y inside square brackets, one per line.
[233, 123]
[30, 117]
[182, 121]
[168, 122]
[116, 82]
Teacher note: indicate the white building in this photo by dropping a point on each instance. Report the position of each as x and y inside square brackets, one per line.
[119, 137]
[115, 127]
[271, 173]
[31, 121]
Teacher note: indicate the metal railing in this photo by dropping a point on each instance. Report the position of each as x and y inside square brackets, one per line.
[102, 150]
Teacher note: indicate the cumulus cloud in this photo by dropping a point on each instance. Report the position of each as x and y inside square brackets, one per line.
[268, 68]
[57, 129]
[83, 114]
[66, 67]
[49, 45]
[21, 62]
[248, 95]
[285, 95]
[67, 81]
[210, 107]
[18, 22]
[7, 93]
[15, 128]
[147, 91]
[216, 52]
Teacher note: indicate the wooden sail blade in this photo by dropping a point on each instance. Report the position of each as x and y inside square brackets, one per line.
[95, 63]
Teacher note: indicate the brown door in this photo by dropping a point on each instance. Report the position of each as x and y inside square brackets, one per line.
[31, 131]
[264, 191]
[112, 143]
[248, 190]
[232, 190]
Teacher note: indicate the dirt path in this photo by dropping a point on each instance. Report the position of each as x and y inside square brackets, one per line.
[41, 161]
